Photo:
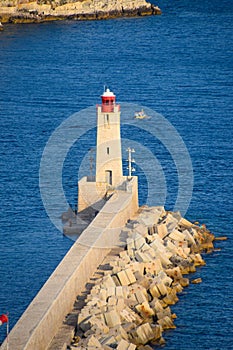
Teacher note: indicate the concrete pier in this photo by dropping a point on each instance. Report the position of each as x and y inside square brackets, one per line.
[41, 320]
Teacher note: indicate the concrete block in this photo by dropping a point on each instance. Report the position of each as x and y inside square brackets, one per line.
[145, 247]
[107, 282]
[120, 304]
[186, 251]
[177, 287]
[139, 241]
[103, 294]
[131, 302]
[163, 313]
[112, 301]
[165, 278]
[140, 296]
[149, 218]
[131, 253]
[166, 323]
[181, 252]
[184, 282]
[137, 266]
[129, 315]
[124, 256]
[185, 223]
[171, 298]
[141, 229]
[109, 340]
[151, 252]
[115, 278]
[154, 291]
[177, 235]
[118, 331]
[130, 275]
[171, 247]
[130, 243]
[95, 290]
[161, 255]
[142, 257]
[189, 237]
[197, 258]
[123, 345]
[123, 278]
[93, 341]
[110, 291]
[85, 325]
[132, 347]
[156, 305]
[174, 273]
[157, 330]
[171, 222]
[157, 243]
[145, 310]
[162, 230]
[122, 291]
[162, 288]
[99, 324]
[112, 318]
[143, 334]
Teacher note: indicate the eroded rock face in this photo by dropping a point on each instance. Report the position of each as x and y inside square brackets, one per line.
[19, 11]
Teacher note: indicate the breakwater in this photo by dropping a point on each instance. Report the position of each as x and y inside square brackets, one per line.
[43, 317]
[38, 11]
[129, 306]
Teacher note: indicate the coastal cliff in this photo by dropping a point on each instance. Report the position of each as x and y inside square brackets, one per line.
[26, 11]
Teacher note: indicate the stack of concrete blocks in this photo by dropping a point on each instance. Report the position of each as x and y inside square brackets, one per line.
[129, 306]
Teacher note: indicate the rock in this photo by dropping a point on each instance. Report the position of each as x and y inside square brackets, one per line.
[184, 282]
[124, 345]
[144, 310]
[112, 318]
[196, 281]
[221, 238]
[143, 334]
[29, 12]
[130, 305]
[166, 323]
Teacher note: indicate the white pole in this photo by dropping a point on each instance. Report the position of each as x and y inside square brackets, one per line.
[7, 335]
[130, 160]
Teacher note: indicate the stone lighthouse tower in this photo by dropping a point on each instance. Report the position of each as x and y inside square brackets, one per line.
[108, 187]
[108, 146]
[109, 174]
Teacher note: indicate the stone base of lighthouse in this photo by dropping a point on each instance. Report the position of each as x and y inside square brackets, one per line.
[92, 197]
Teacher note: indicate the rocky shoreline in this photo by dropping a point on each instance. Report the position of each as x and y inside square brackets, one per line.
[24, 11]
[128, 306]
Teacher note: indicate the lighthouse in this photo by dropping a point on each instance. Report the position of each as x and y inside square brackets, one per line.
[93, 191]
[108, 146]
[108, 184]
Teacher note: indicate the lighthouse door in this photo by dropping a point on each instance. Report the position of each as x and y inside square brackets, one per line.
[108, 176]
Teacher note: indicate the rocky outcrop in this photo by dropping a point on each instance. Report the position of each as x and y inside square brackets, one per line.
[26, 11]
[130, 305]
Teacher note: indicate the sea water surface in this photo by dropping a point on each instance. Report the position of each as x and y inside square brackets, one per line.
[178, 64]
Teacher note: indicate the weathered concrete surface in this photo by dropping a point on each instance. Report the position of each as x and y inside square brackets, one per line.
[25, 11]
[40, 322]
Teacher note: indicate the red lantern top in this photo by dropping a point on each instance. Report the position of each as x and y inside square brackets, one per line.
[108, 101]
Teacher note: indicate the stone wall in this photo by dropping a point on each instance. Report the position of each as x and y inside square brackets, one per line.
[40, 322]
[42, 10]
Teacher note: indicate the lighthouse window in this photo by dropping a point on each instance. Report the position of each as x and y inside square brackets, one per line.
[107, 150]
[106, 120]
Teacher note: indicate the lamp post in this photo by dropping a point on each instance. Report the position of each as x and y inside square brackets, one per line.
[130, 161]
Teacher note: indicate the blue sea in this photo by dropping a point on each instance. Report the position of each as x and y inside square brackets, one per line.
[178, 64]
